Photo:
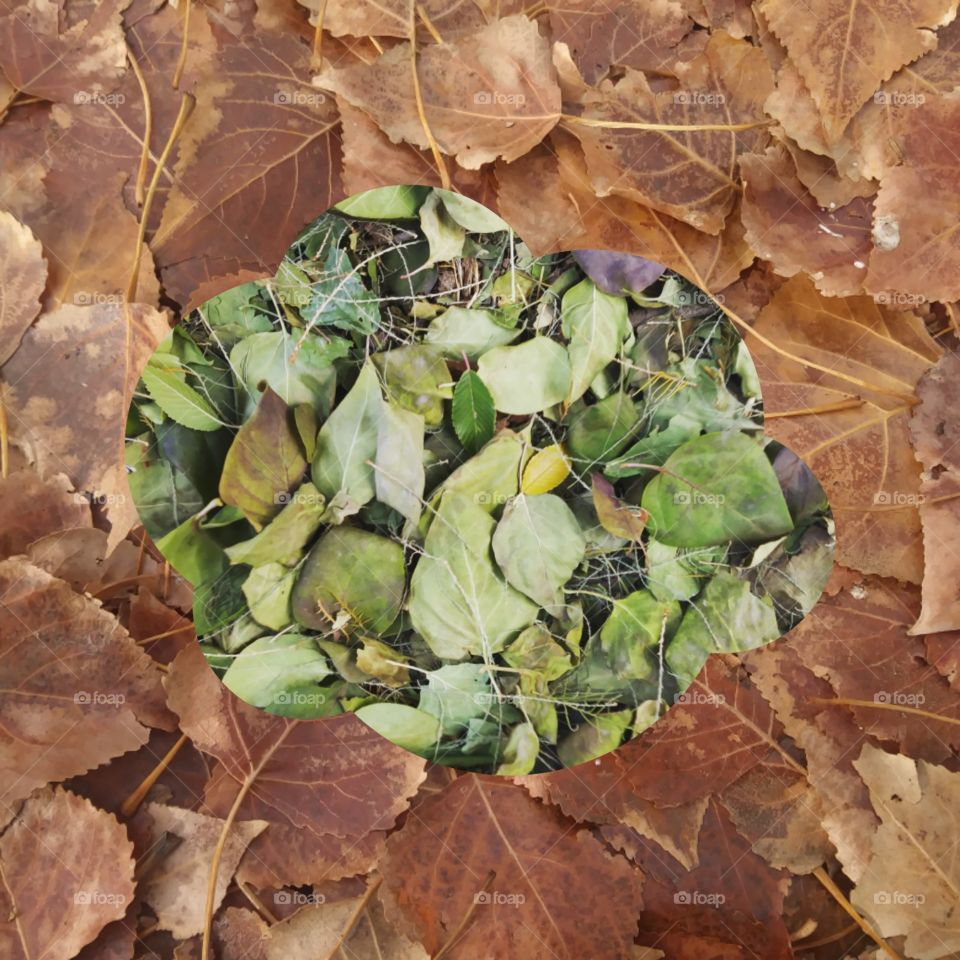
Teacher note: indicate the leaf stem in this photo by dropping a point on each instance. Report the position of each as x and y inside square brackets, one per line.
[354, 917]
[462, 925]
[897, 707]
[421, 112]
[129, 806]
[569, 118]
[845, 904]
[147, 128]
[182, 60]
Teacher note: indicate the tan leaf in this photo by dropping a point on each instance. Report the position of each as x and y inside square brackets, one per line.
[31, 508]
[240, 934]
[66, 392]
[391, 18]
[845, 411]
[786, 226]
[23, 275]
[554, 888]
[854, 48]
[79, 691]
[492, 93]
[67, 871]
[689, 174]
[911, 886]
[830, 187]
[53, 56]
[176, 888]
[936, 433]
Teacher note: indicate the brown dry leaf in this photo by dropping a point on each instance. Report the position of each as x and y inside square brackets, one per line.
[176, 887]
[492, 93]
[23, 275]
[689, 174]
[631, 33]
[911, 886]
[917, 239]
[731, 900]
[268, 144]
[830, 740]
[554, 889]
[787, 227]
[32, 508]
[67, 871]
[830, 187]
[845, 51]
[935, 430]
[569, 216]
[391, 18]
[76, 555]
[79, 691]
[24, 159]
[315, 931]
[240, 934]
[845, 411]
[66, 392]
[59, 49]
[337, 777]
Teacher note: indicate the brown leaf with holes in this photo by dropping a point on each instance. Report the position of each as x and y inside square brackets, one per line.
[61, 49]
[787, 227]
[845, 51]
[838, 384]
[176, 888]
[79, 691]
[553, 887]
[23, 275]
[67, 871]
[490, 94]
[688, 173]
[58, 419]
[912, 884]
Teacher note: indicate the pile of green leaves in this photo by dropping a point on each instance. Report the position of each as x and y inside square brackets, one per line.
[501, 506]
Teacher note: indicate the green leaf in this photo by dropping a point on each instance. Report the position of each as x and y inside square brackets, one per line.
[232, 315]
[281, 674]
[264, 463]
[521, 751]
[599, 735]
[298, 376]
[347, 444]
[417, 379]
[458, 602]
[727, 617]
[538, 544]
[445, 236]
[696, 391]
[267, 590]
[471, 215]
[473, 414]
[653, 449]
[219, 602]
[526, 378]
[340, 297]
[353, 572]
[164, 497]
[385, 203]
[283, 540]
[193, 553]
[400, 476]
[381, 662]
[536, 651]
[600, 431]
[471, 331]
[178, 400]
[716, 489]
[595, 324]
[455, 694]
[633, 629]
[405, 726]
[616, 517]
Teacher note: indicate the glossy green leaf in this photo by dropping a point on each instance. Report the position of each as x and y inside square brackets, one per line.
[538, 545]
[385, 203]
[177, 399]
[528, 377]
[718, 488]
[473, 414]
[471, 215]
[264, 463]
[405, 726]
[458, 602]
[595, 324]
[353, 573]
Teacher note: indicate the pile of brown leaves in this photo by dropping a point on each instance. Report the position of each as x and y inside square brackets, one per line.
[800, 163]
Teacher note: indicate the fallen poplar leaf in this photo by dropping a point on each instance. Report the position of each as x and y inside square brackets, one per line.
[23, 275]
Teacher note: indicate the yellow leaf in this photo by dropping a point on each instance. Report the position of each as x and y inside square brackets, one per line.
[547, 469]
